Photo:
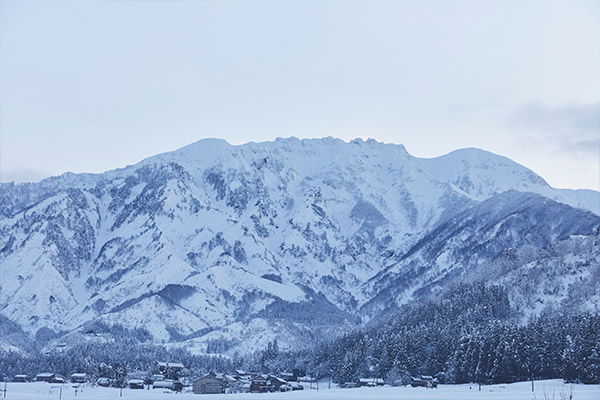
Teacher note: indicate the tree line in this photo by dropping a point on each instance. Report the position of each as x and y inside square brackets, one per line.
[470, 334]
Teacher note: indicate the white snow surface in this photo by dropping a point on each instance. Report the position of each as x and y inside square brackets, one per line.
[548, 389]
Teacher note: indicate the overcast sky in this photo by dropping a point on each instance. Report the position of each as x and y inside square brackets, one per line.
[87, 86]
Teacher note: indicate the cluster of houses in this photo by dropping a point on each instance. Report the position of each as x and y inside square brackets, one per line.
[238, 381]
[51, 378]
[242, 382]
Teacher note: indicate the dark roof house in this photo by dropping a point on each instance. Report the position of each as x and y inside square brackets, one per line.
[136, 384]
[45, 377]
[259, 384]
[209, 384]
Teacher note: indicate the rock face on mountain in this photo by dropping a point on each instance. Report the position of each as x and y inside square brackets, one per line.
[294, 239]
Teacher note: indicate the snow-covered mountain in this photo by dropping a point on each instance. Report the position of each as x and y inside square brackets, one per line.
[294, 239]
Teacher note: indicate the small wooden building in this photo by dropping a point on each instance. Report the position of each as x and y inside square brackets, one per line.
[370, 382]
[239, 386]
[104, 382]
[288, 376]
[136, 384]
[45, 377]
[231, 383]
[78, 378]
[424, 381]
[278, 384]
[21, 378]
[209, 384]
[259, 384]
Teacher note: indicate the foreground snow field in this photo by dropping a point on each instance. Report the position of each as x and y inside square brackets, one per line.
[549, 389]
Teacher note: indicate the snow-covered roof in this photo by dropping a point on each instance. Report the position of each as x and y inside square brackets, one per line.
[163, 384]
[371, 380]
[306, 379]
[45, 374]
[78, 375]
[136, 382]
[211, 375]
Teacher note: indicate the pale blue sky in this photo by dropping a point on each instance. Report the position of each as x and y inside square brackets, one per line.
[87, 86]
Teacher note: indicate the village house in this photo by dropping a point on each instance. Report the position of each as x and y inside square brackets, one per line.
[45, 377]
[209, 384]
[277, 384]
[259, 384]
[104, 382]
[288, 376]
[424, 381]
[136, 384]
[78, 378]
[370, 382]
[230, 382]
[21, 378]
[240, 385]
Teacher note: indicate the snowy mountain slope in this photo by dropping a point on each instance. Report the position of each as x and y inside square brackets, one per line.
[481, 174]
[584, 198]
[459, 245]
[219, 242]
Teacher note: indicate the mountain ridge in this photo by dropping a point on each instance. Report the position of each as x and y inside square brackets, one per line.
[218, 242]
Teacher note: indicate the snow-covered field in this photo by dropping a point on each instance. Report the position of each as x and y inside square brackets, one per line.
[550, 389]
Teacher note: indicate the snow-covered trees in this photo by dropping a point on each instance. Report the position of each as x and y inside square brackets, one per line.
[111, 360]
[469, 335]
